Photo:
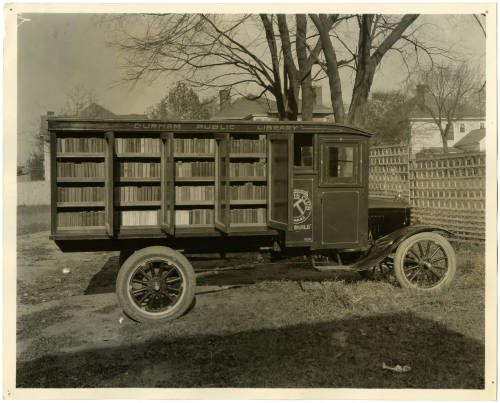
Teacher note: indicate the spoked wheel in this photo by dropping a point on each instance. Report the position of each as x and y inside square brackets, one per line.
[155, 283]
[381, 272]
[425, 261]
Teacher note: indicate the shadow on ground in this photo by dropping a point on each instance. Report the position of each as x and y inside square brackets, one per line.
[341, 354]
[214, 272]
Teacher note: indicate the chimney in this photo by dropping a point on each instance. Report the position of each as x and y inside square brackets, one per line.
[224, 98]
[421, 92]
[318, 95]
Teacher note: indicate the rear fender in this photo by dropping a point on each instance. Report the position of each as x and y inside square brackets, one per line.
[384, 246]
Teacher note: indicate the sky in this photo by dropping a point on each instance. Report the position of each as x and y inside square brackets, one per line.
[59, 51]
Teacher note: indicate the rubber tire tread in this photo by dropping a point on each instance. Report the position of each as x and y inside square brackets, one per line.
[439, 239]
[132, 262]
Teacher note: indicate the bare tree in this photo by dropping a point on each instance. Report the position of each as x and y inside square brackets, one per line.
[280, 55]
[445, 92]
[377, 34]
[221, 51]
[79, 98]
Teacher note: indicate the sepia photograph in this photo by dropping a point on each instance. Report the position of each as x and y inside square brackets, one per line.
[249, 201]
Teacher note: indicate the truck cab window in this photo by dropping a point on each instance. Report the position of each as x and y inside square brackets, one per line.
[341, 162]
[303, 150]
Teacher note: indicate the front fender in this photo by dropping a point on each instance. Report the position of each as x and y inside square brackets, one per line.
[384, 246]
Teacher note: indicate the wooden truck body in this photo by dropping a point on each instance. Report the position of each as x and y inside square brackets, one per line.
[214, 186]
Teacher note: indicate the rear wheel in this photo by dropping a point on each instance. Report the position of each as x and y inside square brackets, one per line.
[155, 283]
[425, 261]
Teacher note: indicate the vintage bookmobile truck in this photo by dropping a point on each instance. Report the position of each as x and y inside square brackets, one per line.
[151, 189]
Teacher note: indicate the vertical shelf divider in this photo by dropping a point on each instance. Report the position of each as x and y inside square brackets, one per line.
[167, 213]
[53, 183]
[109, 182]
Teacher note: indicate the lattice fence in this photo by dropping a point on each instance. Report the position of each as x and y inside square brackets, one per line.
[389, 167]
[447, 190]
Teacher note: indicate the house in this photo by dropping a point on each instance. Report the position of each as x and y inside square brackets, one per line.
[264, 109]
[474, 141]
[92, 111]
[424, 132]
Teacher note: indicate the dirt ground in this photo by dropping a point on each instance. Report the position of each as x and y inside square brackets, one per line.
[276, 324]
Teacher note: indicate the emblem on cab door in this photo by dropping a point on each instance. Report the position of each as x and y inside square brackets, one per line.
[302, 206]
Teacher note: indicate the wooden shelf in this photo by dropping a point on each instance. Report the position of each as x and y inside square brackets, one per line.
[248, 202]
[125, 180]
[248, 179]
[138, 155]
[193, 155]
[131, 228]
[194, 202]
[69, 180]
[194, 226]
[81, 229]
[78, 233]
[249, 225]
[195, 179]
[81, 204]
[80, 155]
[248, 155]
[137, 203]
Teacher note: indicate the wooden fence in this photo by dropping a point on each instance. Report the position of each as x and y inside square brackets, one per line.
[389, 169]
[444, 190]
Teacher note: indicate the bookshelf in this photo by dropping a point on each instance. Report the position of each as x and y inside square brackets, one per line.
[137, 184]
[247, 181]
[78, 193]
[194, 191]
[133, 183]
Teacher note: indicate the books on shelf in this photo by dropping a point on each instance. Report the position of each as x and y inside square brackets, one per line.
[185, 193]
[194, 145]
[94, 218]
[137, 193]
[80, 169]
[247, 169]
[137, 145]
[248, 191]
[139, 169]
[139, 217]
[80, 194]
[248, 145]
[248, 215]
[196, 168]
[80, 145]
[194, 217]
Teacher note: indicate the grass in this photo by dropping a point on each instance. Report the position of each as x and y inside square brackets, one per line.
[294, 334]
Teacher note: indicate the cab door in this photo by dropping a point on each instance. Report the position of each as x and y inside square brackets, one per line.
[341, 211]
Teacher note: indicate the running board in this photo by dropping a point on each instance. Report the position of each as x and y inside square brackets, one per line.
[333, 267]
[328, 266]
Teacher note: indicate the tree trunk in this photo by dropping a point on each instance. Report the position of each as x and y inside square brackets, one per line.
[290, 69]
[444, 137]
[273, 49]
[306, 80]
[323, 26]
[362, 86]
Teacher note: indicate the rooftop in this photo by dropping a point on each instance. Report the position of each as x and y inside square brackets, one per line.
[473, 137]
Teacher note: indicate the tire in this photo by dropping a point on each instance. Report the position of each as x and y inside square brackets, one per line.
[155, 283]
[425, 261]
[124, 255]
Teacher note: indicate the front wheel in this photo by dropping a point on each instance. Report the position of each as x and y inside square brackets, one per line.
[425, 261]
[155, 283]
